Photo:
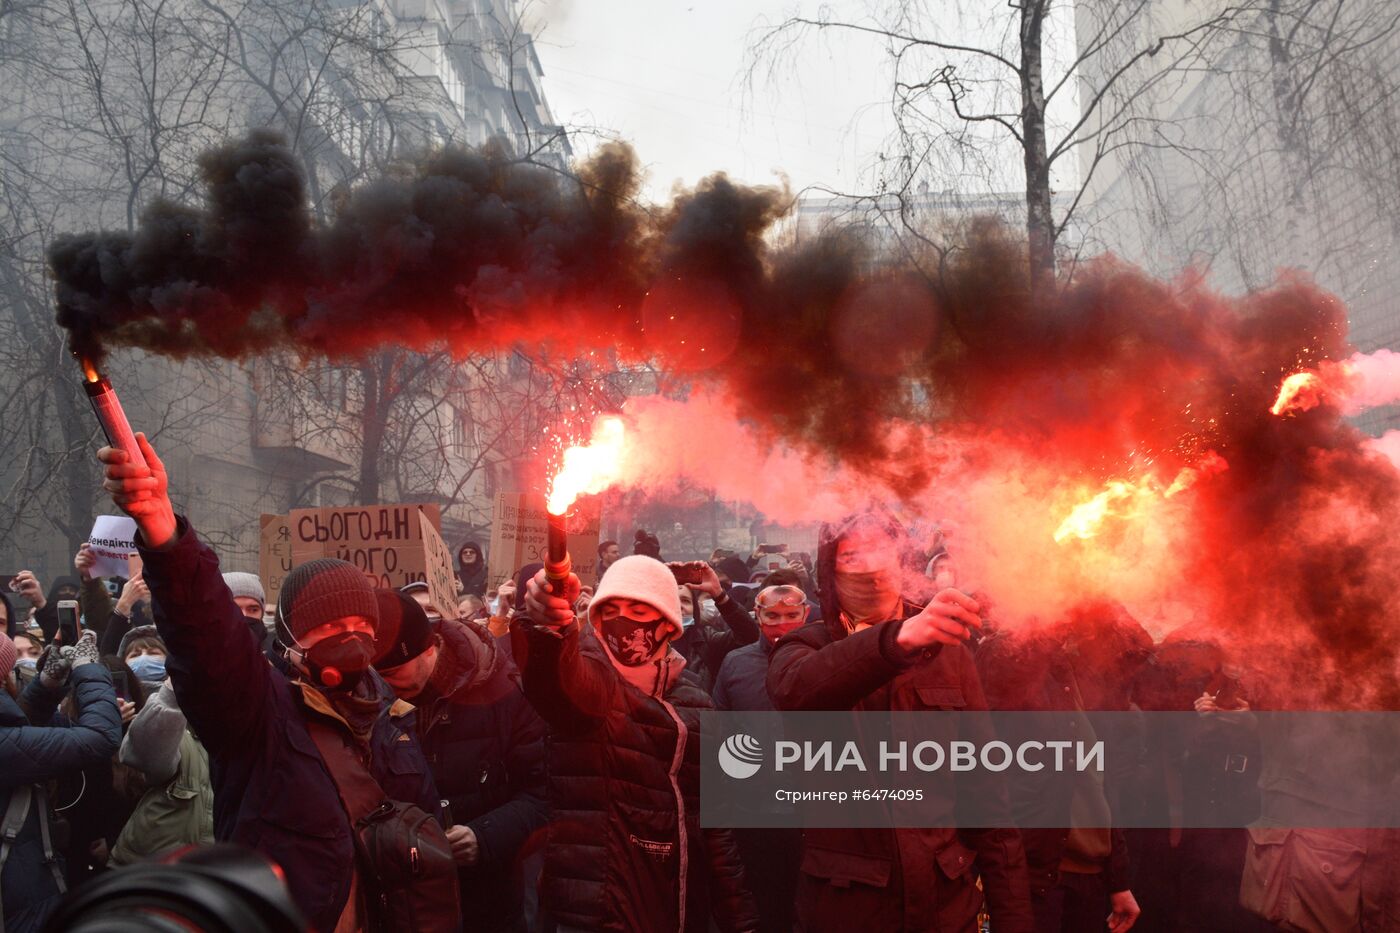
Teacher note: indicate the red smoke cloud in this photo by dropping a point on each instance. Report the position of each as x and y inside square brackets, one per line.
[826, 377]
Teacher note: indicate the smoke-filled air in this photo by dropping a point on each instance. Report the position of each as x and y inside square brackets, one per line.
[1145, 441]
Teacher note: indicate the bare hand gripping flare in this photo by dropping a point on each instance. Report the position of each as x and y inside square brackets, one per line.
[110, 415]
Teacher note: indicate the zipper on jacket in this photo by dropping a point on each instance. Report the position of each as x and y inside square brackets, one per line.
[681, 735]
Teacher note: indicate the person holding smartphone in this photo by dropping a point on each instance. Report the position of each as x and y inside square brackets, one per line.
[704, 645]
[37, 746]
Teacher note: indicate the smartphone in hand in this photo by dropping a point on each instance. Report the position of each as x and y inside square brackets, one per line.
[687, 573]
[69, 623]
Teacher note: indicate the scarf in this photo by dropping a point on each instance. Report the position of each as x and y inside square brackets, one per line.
[867, 596]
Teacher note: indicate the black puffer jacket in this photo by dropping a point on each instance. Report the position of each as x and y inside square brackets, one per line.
[485, 745]
[623, 766]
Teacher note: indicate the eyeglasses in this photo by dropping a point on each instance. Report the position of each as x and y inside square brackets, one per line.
[782, 595]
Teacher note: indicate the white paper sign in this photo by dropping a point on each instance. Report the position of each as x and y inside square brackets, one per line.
[113, 543]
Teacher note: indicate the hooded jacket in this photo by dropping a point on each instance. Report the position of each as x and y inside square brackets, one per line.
[272, 792]
[485, 745]
[178, 806]
[473, 576]
[898, 879]
[625, 849]
[36, 750]
[47, 618]
[12, 626]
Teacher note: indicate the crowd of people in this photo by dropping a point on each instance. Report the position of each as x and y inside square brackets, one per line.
[528, 759]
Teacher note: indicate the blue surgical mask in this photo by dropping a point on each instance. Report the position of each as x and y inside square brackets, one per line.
[687, 621]
[28, 663]
[148, 668]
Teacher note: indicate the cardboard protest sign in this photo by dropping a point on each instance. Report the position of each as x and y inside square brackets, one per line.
[113, 542]
[442, 578]
[384, 541]
[274, 554]
[520, 531]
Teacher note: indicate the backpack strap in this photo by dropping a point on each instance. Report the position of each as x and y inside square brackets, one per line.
[46, 838]
[359, 792]
[15, 815]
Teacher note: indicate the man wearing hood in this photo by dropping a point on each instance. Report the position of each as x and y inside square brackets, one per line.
[471, 568]
[625, 850]
[484, 743]
[875, 651]
[265, 731]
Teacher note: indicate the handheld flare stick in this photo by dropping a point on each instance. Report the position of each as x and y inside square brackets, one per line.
[557, 563]
[108, 409]
[584, 469]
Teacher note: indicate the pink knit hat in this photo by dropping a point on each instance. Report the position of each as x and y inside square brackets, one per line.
[646, 580]
[8, 653]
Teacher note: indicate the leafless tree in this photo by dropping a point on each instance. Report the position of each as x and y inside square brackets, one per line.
[982, 94]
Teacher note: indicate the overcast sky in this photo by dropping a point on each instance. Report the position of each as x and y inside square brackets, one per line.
[669, 76]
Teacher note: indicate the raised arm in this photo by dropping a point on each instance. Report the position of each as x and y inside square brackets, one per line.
[152, 744]
[806, 674]
[565, 686]
[222, 680]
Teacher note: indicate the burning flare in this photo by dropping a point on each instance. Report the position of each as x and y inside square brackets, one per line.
[590, 468]
[1299, 392]
[108, 409]
[1128, 500]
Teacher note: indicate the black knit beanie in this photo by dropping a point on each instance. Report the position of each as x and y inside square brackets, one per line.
[404, 630]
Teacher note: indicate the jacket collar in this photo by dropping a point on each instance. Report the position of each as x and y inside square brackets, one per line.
[655, 678]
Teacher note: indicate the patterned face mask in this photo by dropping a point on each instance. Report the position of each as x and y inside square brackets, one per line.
[632, 643]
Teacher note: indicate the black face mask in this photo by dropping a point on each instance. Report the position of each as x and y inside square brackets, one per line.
[338, 662]
[632, 643]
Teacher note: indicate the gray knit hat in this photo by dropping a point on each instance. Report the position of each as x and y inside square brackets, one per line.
[245, 584]
[321, 591]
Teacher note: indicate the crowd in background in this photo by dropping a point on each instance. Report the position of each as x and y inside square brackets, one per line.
[527, 759]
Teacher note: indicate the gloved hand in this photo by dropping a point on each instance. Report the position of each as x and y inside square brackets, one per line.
[85, 651]
[54, 668]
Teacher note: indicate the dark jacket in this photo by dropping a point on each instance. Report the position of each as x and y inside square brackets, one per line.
[485, 745]
[473, 576]
[704, 645]
[38, 753]
[271, 790]
[742, 683]
[1031, 674]
[626, 851]
[47, 618]
[906, 879]
[899, 879]
[12, 626]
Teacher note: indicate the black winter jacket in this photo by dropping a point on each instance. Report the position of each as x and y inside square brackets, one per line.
[626, 851]
[485, 745]
[705, 645]
[37, 753]
[907, 879]
[272, 792]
